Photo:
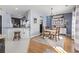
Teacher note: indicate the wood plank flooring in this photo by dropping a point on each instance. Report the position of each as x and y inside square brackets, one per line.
[36, 47]
[69, 44]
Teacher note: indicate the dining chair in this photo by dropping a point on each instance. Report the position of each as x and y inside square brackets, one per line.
[58, 32]
[55, 33]
[45, 33]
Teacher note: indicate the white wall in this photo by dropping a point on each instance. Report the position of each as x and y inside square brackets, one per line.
[76, 40]
[35, 27]
[75, 28]
[6, 23]
[73, 23]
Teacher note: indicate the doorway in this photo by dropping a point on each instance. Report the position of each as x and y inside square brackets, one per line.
[41, 24]
[41, 27]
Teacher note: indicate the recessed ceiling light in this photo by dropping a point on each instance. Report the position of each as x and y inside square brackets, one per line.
[16, 8]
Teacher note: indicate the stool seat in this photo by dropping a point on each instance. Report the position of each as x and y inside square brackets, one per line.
[16, 35]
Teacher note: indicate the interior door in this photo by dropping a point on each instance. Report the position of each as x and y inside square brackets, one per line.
[41, 28]
[41, 25]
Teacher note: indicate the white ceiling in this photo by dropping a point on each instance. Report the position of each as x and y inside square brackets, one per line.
[44, 9]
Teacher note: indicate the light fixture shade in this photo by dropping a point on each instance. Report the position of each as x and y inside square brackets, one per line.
[16, 8]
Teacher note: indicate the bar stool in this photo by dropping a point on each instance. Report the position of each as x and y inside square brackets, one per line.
[16, 35]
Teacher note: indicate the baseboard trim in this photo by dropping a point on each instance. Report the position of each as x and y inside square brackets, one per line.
[35, 36]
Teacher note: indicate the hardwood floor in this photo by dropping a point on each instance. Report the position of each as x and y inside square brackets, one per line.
[36, 47]
[68, 44]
